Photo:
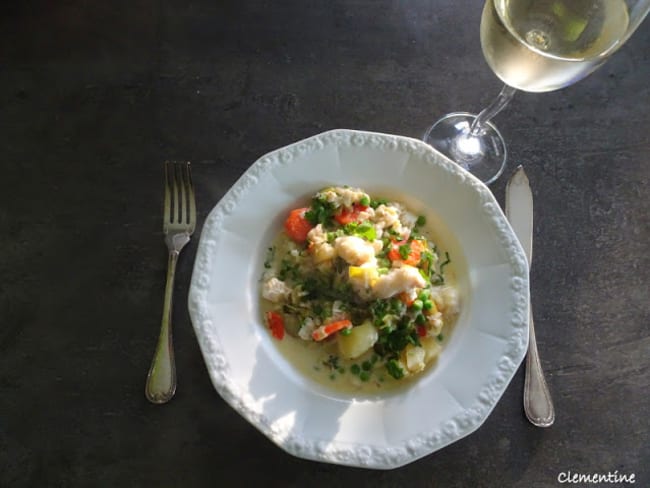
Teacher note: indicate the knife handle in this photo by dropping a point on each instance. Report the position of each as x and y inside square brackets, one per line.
[538, 405]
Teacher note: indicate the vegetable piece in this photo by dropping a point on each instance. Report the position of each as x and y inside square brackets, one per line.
[362, 277]
[414, 358]
[297, 226]
[320, 212]
[349, 215]
[276, 324]
[328, 329]
[394, 369]
[360, 340]
[406, 298]
[431, 348]
[407, 252]
[364, 229]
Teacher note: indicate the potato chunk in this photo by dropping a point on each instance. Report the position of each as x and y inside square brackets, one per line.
[414, 358]
[431, 348]
[360, 340]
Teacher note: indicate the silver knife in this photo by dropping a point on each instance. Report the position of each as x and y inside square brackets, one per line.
[538, 405]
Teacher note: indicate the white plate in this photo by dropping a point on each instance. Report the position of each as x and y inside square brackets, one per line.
[450, 400]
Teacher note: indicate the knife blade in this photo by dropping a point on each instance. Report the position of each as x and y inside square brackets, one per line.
[538, 404]
[519, 209]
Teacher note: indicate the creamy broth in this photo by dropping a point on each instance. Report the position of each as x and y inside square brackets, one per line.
[314, 361]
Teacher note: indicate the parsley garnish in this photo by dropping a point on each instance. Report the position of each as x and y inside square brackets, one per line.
[320, 212]
[404, 251]
[394, 369]
[269, 257]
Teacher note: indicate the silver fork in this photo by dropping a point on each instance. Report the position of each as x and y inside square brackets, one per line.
[178, 226]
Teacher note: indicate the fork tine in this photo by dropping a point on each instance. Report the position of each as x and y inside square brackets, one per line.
[191, 198]
[175, 186]
[167, 207]
[182, 184]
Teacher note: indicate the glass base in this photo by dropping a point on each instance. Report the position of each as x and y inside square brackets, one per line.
[483, 154]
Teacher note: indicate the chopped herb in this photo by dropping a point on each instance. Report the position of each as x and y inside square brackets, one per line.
[377, 202]
[414, 338]
[440, 337]
[427, 259]
[366, 365]
[397, 340]
[350, 228]
[355, 369]
[318, 310]
[404, 251]
[422, 220]
[444, 263]
[270, 254]
[397, 306]
[288, 270]
[367, 231]
[394, 369]
[364, 375]
[320, 212]
[424, 275]
[332, 362]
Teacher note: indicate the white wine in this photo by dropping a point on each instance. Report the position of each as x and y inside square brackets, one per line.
[540, 46]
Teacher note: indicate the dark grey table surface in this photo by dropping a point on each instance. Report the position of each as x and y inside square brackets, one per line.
[95, 95]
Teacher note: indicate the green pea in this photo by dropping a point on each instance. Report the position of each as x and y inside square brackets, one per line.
[417, 305]
[427, 304]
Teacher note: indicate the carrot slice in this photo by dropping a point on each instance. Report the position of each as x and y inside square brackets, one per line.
[407, 298]
[414, 255]
[349, 215]
[297, 226]
[276, 324]
[328, 329]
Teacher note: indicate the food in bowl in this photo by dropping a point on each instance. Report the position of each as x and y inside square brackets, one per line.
[355, 292]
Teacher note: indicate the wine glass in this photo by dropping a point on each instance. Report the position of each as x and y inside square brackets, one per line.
[534, 46]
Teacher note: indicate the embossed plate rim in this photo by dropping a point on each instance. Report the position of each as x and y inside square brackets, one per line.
[286, 170]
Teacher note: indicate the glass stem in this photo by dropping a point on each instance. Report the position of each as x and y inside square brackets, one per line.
[498, 104]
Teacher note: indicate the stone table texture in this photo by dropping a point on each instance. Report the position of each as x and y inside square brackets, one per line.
[95, 95]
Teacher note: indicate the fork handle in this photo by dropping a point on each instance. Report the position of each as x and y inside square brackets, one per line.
[161, 380]
[538, 405]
